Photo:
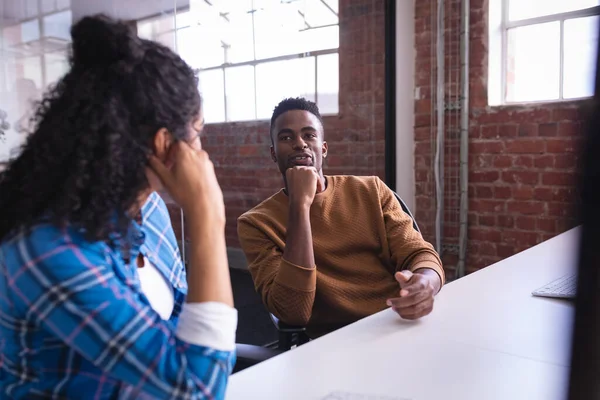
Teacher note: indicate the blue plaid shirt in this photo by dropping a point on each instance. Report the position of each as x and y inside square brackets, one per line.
[74, 322]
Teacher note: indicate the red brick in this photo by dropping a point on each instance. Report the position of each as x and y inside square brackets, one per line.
[484, 234]
[502, 161]
[493, 147]
[523, 193]
[569, 129]
[566, 161]
[526, 223]
[544, 161]
[525, 207]
[488, 132]
[520, 237]
[565, 114]
[487, 220]
[484, 192]
[523, 177]
[545, 194]
[483, 176]
[486, 206]
[508, 131]
[557, 178]
[559, 209]
[548, 129]
[505, 221]
[487, 249]
[528, 130]
[523, 161]
[547, 225]
[560, 145]
[505, 250]
[502, 192]
[423, 106]
[527, 146]
[423, 120]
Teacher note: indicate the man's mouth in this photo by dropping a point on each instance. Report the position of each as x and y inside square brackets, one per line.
[303, 159]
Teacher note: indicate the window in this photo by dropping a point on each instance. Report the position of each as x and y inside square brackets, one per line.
[250, 54]
[542, 50]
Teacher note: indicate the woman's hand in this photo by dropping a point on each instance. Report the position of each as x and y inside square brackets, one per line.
[189, 177]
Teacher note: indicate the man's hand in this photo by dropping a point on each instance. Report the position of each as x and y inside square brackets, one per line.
[416, 294]
[303, 183]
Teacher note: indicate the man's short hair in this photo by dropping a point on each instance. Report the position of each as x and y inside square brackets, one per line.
[295, 103]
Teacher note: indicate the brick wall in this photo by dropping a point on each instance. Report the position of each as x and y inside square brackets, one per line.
[240, 151]
[522, 159]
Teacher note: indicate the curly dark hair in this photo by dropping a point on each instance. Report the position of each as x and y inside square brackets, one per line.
[84, 163]
[294, 103]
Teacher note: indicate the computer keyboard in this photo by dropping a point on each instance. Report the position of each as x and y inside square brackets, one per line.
[564, 287]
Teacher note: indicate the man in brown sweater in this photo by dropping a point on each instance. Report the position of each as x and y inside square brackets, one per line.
[329, 250]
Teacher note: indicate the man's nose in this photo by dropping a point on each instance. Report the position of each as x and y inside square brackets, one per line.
[299, 144]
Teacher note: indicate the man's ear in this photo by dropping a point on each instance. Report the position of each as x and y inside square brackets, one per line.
[162, 143]
[273, 155]
[324, 149]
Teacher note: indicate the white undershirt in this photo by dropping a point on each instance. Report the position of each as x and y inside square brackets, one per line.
[209, 324]
[157, 290]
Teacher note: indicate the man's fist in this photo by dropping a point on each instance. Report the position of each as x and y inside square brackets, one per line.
[416, 295]
[303, 183]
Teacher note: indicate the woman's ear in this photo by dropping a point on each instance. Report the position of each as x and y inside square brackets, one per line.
[162, 143]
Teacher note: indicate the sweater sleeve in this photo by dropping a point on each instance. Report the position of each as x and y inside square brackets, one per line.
[408, 248]
[286, 289]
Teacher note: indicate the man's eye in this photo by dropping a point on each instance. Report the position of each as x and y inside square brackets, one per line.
[284, 138]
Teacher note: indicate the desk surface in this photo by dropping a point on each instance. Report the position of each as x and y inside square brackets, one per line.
[488, 338]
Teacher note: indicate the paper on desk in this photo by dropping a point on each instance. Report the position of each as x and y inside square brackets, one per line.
[358, 396]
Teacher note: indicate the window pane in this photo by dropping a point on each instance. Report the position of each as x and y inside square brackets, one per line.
[187, 47]
[203, 45]
[319, 39]
[239, 89]
[30, 31]
[32, 71]
[273, 39]
[581, 37]
[57, 65]
[328, 80]
[523, 9]
[167, 39]
[316, 13]
[213, 100]
[238, 37]
[276, 31]
[58, 26]
[334, 5]
[533, 63]
[280, 79]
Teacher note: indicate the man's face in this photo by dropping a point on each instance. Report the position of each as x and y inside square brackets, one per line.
[298, 140]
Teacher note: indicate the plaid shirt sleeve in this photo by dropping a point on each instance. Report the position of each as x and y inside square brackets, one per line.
[74, 292]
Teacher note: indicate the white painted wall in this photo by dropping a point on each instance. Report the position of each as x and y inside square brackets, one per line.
[405, 100]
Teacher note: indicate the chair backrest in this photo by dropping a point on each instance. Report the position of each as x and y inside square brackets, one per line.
[407, 211]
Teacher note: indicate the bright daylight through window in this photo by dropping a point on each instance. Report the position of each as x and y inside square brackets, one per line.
[250, 54]
[542, 50]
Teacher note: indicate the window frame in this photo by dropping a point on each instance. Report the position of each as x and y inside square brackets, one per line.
[498, 40]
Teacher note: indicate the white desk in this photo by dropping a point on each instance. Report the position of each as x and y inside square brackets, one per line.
[487, 339]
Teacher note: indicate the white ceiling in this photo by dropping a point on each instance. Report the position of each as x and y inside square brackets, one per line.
[14, 11]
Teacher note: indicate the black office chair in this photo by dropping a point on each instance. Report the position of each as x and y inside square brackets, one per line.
[292, 335]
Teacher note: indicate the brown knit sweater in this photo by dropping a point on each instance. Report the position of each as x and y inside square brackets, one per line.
[361, 237]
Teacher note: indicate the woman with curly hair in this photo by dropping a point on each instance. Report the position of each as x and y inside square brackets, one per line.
[124, 122]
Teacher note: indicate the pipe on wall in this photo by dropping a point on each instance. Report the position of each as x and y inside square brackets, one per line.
[438, 166]
[464, 140]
